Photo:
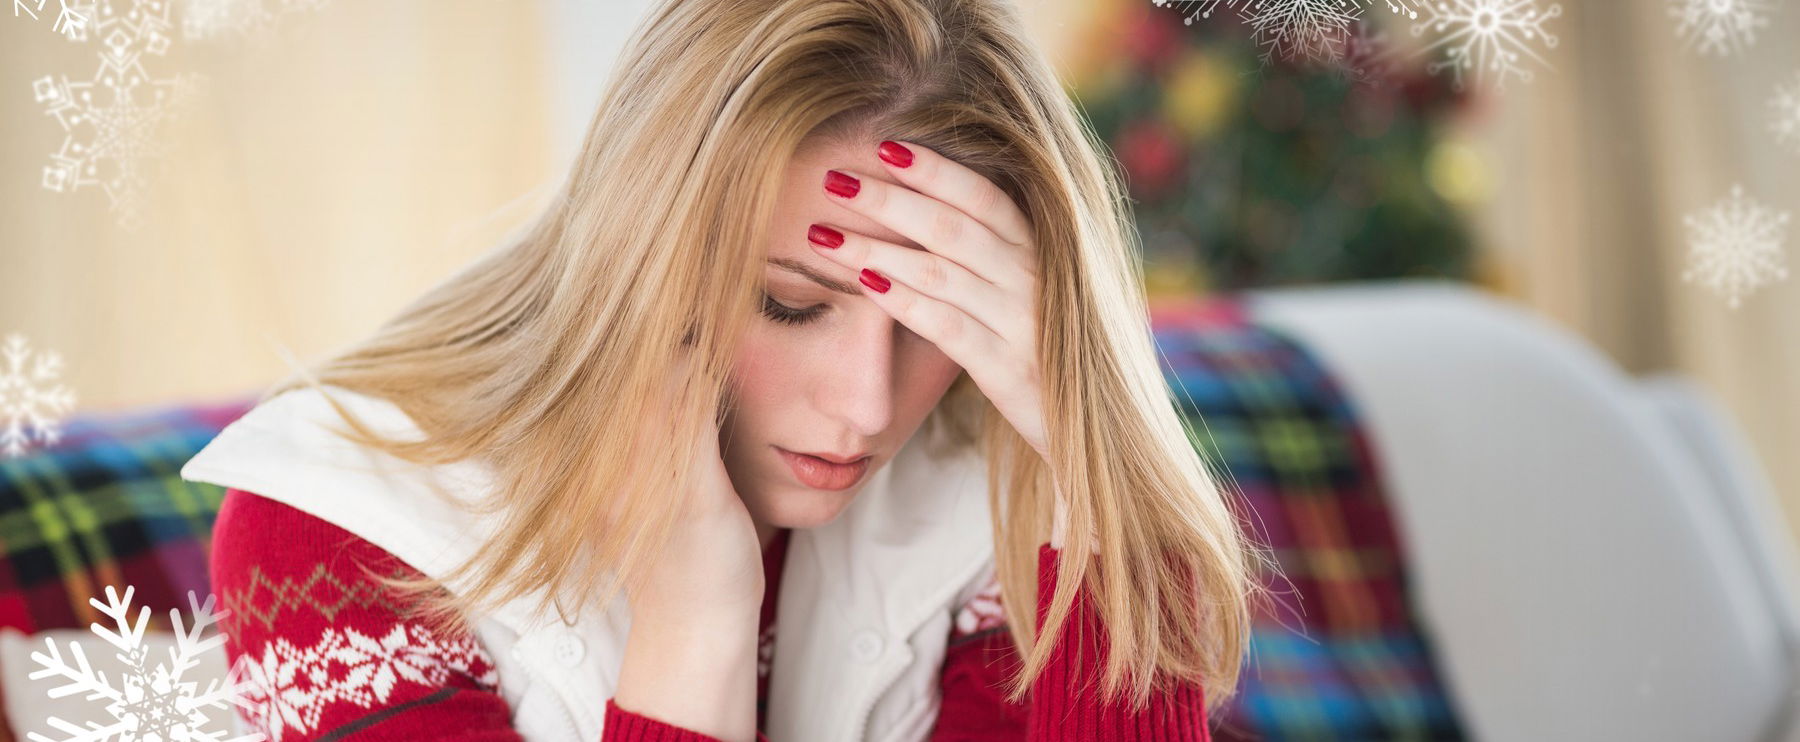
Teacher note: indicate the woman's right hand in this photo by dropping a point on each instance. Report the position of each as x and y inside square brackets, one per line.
[712, 564]
[690, 659]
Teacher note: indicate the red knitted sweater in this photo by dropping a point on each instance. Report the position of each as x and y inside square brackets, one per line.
[347, 664]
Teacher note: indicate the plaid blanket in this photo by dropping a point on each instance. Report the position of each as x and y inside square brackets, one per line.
[1336, 655]
[106, 505]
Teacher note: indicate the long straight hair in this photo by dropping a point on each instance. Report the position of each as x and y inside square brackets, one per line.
[545, 358]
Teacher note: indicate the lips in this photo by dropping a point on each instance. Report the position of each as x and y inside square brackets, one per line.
[819, 473]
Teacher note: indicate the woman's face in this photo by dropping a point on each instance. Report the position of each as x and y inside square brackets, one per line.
[822, 370]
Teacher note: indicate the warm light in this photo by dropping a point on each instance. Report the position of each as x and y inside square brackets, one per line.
[1458, 173]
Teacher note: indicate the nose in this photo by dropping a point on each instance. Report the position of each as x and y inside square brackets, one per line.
[858, 389]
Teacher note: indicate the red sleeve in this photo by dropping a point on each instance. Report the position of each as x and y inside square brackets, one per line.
[329, 653]
[331, 657]
[625, 726]
[981, 658]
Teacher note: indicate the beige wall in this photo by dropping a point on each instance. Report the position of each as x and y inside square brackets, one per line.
[335, 168]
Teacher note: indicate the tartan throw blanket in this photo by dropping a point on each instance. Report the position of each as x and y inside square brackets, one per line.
[106, 505]
[1336, 655]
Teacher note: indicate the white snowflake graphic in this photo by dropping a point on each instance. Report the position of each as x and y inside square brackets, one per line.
[1784, 114]
[70, 21]
[1317, 30]
[29, 404]
[111, 121]
[1735, 246]
[1486, 37]
[211, 19]
[1719, 26]
[153, 703]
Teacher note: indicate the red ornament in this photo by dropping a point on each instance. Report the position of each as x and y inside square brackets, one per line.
[1152, 155]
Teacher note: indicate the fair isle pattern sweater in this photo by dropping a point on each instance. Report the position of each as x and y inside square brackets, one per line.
[334, 658]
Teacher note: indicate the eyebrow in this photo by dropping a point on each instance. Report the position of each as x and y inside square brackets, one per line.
[816, 277]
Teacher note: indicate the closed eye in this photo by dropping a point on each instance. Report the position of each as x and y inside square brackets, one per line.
[785, 314]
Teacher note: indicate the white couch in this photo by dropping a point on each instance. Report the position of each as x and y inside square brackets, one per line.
[1595, 556]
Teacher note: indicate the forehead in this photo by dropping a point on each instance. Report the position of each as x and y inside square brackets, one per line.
[803, 202]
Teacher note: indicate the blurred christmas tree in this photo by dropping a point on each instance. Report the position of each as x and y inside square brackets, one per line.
[1250, 172]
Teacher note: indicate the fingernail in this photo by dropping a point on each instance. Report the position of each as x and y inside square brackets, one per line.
[874, 280]
[841, 185]
[824, 236]
[894, 153]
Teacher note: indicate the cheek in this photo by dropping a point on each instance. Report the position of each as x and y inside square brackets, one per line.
[768, 362]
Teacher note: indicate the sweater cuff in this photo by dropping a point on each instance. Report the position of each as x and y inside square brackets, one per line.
[630, 726]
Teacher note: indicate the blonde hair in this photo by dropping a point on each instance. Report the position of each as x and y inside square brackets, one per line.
[546, 356]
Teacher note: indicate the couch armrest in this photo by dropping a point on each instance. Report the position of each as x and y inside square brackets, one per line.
[1742, 491]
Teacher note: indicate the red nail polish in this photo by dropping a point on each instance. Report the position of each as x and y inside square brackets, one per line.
[874, 280]
[840, 184]
[824, 236]
[895, 153]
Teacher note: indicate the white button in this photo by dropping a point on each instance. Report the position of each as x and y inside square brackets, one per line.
[866, 645]
[570, 649]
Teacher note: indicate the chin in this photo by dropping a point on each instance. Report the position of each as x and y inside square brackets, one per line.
[802, 507]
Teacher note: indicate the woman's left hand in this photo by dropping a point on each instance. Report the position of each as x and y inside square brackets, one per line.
[972, 291]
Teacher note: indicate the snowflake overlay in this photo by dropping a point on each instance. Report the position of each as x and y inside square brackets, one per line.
[111, 121]
[1488, 37]
[1784, 114]
[1319, 30]
[27, 399]
[1719, 26]
[210, 19]
[1735, 246]
[155, 704]
[70, 22]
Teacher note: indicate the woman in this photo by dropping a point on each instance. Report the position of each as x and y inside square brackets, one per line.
[841, 289]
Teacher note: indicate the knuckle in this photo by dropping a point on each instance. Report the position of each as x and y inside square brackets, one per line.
[988, 199]
[947, 226]
[950, 327]
[933, 277]
[906, 309]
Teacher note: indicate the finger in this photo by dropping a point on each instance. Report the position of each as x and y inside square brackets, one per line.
[968, 342]
[933, 224]
[924, 170]
[924, 272]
